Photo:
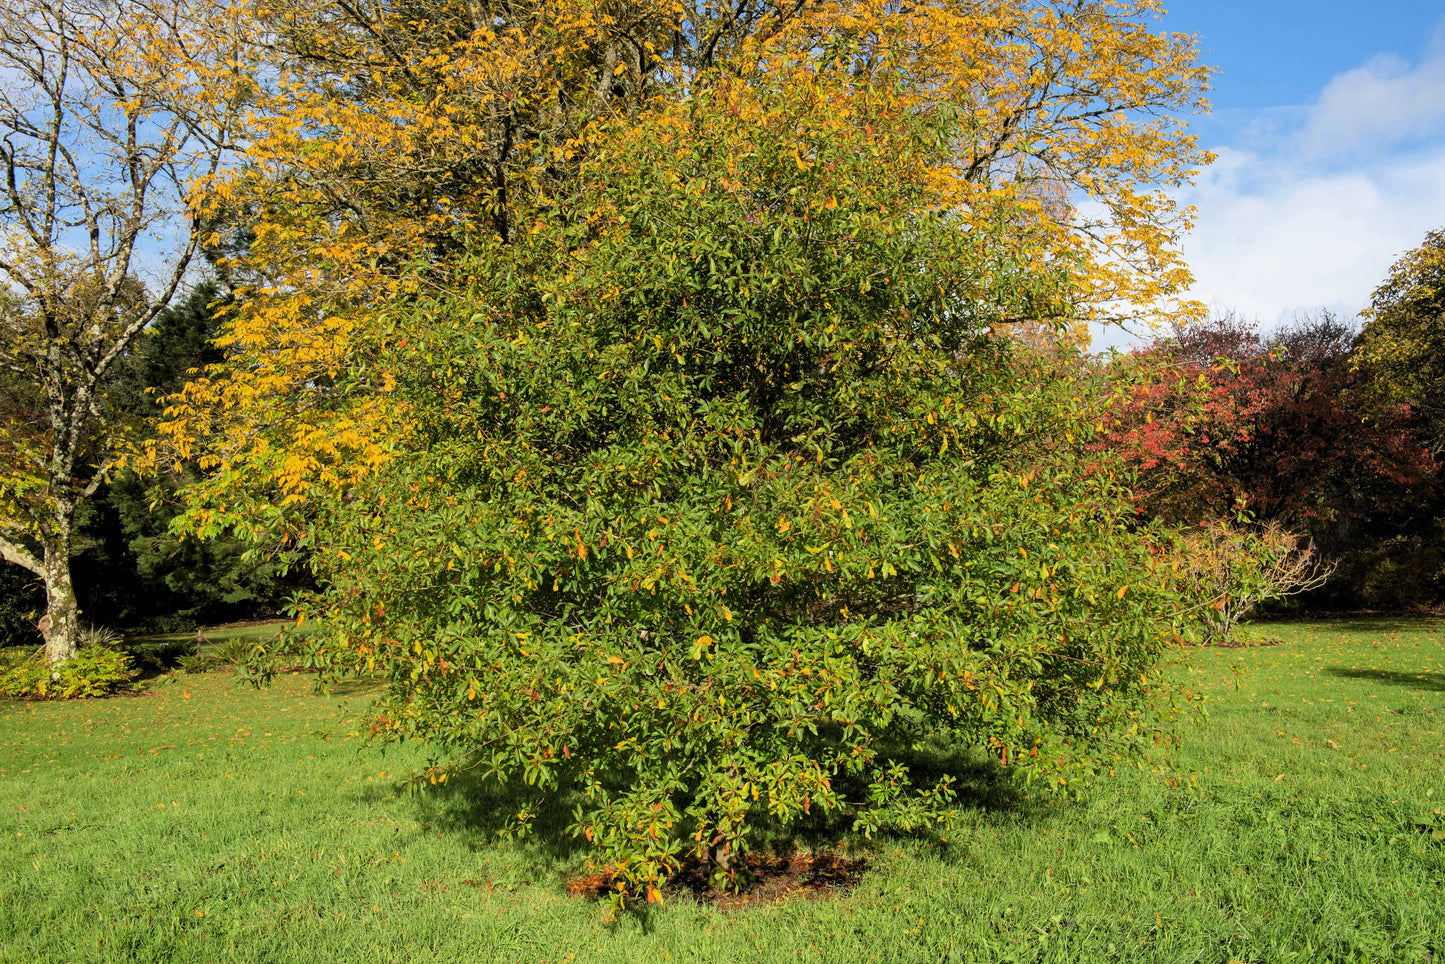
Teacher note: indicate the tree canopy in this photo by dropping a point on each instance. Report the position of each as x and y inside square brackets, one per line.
[395, 139]
[1404, 334]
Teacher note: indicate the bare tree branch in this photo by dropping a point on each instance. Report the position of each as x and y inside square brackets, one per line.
[128, 108]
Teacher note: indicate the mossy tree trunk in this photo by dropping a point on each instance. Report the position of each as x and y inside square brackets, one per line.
[63, 635]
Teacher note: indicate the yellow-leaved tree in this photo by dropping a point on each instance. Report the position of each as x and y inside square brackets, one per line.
[394, 138]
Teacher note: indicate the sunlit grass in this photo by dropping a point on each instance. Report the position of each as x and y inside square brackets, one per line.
[211, 638]
[210, 822]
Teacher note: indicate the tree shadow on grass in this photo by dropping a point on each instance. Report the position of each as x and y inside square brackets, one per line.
[982, 788]
[475, 808]
[1428, 682]
[1375, 625]
[355, 687]
[979, 781]
[478, 811]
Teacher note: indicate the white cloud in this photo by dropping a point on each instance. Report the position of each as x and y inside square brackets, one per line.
[1309, 210]
[1380, 103]
[1275, 237]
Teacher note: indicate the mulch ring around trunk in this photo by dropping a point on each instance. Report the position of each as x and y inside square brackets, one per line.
[776, 879]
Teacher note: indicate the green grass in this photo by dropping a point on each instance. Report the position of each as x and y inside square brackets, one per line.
[213, 637]
[209, 822]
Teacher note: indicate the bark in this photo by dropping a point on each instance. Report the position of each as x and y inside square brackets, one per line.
[63, 637]
[722, 857]
[730, 871]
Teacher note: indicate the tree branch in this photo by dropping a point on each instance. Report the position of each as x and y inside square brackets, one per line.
[19, 556]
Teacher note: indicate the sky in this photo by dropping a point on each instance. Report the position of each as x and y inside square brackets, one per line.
[1329, 123]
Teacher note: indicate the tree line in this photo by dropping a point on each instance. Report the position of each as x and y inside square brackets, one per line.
[1320, 426]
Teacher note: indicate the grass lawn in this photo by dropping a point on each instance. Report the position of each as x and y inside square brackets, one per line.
[209, 822]
[258, 632]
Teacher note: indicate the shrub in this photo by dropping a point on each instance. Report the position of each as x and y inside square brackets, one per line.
[24, 673]
[193, 663]
[233, 652]
[1229, 570]
[708, 529]
[92, 636]
[95, 671]
[1405, 573]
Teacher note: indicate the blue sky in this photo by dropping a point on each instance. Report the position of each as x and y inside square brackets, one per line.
[1329, 122]
[1280, 52]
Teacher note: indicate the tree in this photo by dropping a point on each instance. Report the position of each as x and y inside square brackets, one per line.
[1216, 419]
[112, 110]
[131, 568]
[1230, 569]
[717, 495]
[1403, 340]
[1400, 353]
[396, 138]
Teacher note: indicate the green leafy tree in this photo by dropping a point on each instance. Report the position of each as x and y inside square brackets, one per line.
[719, 496]
[1403, 340]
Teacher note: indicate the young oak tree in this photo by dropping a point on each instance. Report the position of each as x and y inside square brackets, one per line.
[712, 497]
[111, 110]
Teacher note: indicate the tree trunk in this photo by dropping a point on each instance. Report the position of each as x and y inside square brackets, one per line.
[63, 636]
[729, 870]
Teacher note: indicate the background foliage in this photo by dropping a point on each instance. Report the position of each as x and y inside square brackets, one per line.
[1296, 429]
[22, 602]
[1283, 426]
